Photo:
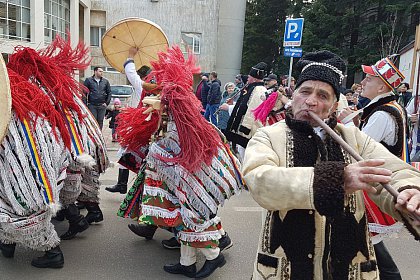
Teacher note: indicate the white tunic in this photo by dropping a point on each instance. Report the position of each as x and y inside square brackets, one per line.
[135, 81]
[381, 125]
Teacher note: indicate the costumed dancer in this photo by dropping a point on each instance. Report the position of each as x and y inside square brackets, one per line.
[242, 125]
[87, 150]
[35, 153]
[187, 172]
[385, 120]
[137, 80]
[315, 223]
[88, 140]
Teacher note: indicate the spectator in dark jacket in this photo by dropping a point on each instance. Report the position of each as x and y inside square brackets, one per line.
[239, 82]
[204, 79]
[404, 95]
[204, 89]
[99, 95]
[213, 98]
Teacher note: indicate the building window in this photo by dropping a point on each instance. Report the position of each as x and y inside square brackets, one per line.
[96, 33]
[15, 20]
[191, 41]
[56, 18]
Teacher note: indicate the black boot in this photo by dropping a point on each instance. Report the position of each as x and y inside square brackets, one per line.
[171, 243]
[178, 268]
[60, 216]
[94, 214]
[146, 231]
[8, 250]
[53, 259]
[210, 266]
[80, 205]
[121, 185]
[225, 242]
[77, 223]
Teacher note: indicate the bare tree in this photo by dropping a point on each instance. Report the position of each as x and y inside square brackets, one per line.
[391, 44]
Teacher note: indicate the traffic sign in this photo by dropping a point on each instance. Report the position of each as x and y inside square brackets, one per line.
[293, 52]
[293, 32]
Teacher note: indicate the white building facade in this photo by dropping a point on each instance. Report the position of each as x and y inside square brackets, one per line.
[409, 62]
[213, 29]
[34, 23]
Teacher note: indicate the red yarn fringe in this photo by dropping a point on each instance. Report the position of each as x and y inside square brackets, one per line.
[30, 102]
[43, 85]
[133, 130]
[198, 140]
[53, 68]
[262, 111]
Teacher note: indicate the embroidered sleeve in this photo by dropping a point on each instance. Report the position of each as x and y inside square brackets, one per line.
[329, 188]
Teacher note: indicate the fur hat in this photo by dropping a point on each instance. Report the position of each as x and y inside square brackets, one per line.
[258, 71]
[322, 66]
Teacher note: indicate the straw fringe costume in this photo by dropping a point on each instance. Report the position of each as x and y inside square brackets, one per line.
[32, 168]
[43, 144]
[188, 171]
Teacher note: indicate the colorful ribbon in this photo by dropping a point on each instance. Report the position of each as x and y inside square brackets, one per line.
[48, 194]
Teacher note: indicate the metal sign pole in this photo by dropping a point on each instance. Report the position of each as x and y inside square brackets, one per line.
[289, 80]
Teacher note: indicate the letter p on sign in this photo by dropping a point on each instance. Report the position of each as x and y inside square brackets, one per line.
[293, 32]
[293, 27]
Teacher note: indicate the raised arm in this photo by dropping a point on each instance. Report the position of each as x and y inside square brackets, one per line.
[132, 76]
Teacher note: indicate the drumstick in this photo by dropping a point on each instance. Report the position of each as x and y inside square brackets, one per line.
[355, 155]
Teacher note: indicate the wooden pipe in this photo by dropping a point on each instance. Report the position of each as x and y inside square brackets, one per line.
[355, 155]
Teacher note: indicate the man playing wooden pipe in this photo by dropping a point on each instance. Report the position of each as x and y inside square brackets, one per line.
[315, 225]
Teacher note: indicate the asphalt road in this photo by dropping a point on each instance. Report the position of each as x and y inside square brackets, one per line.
[108, 250]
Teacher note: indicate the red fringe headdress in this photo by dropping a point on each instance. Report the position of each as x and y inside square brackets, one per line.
[52, 69]
[198, 140]
[133, 130]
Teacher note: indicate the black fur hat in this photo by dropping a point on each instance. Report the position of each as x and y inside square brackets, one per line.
[322, 66]
[258, 71]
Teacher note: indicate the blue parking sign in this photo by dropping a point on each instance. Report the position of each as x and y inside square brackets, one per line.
[293, 32]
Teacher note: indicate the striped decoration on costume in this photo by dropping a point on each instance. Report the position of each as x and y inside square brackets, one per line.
[48, 194]
[75, 140]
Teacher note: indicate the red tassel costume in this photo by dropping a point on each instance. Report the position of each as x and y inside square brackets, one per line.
[50, 133]
[188, 172]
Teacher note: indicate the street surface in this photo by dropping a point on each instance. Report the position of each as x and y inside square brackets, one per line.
[110, 251]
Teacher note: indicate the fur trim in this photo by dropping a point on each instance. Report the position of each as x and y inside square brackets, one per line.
[410, 227]
[406, 221]
[328, 188]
